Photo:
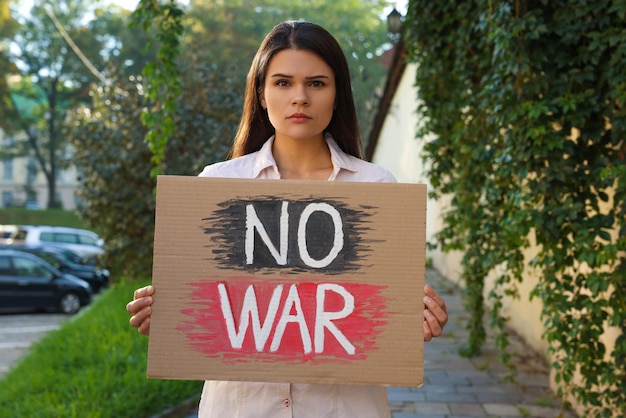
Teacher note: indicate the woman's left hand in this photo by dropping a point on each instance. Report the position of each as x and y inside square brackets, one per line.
[435, 313]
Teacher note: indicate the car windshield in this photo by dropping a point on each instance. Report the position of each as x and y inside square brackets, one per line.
[29, 268]
[50, 258]
[88, 240]
[72, 257]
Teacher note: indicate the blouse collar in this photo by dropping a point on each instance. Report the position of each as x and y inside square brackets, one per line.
[340, 160]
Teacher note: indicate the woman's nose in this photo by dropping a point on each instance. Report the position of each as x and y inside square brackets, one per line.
[300, 97]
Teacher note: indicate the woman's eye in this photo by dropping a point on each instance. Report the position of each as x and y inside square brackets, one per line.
[282, 83]
[317, 83]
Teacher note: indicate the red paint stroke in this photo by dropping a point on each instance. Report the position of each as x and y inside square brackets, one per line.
[207, 333]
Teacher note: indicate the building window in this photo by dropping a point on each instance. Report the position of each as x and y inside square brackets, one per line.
[7, 169]
[31, 196]
[32, 169]
[7, 199]
[58, 200]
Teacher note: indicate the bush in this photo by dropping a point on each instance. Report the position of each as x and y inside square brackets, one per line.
[522, 103]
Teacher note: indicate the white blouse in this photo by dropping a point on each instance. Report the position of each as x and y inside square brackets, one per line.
[294, 400]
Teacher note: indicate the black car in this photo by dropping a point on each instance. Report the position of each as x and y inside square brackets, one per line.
[29, 283]
[67, 262]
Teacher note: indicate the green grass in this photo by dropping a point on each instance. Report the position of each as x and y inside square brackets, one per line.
[93, 366]
[54, 217]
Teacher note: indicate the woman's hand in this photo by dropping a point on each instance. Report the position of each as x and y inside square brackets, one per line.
[435, 313]
[141, 308]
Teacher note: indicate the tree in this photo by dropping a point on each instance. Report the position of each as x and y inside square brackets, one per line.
[7, 28]
[59, 51]
[114, 159]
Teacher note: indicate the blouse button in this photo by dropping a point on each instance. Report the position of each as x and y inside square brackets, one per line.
[287, 403]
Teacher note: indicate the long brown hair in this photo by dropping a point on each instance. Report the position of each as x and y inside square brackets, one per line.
[255, 127]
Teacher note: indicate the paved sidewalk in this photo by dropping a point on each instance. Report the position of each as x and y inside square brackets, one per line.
[456, 387]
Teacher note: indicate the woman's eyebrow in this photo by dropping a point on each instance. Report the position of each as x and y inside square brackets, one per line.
[307, 78]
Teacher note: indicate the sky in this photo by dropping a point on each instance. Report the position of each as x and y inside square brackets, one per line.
[127, 4]
[130, 4]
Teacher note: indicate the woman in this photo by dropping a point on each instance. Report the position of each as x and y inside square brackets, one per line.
[298, 122]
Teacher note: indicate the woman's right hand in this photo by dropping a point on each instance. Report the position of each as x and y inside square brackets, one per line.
[141, 308]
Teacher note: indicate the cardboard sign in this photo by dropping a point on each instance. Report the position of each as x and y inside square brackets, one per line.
[288, 281]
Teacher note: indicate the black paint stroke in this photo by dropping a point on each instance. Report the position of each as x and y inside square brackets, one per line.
[227, 230]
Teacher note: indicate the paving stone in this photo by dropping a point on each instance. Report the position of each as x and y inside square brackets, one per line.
[446, 389]
[467, 409]
[447, 397]
[510, 398]
[406, 396]
[404, 415]
[540, 411]
[431, 408]
[533, 380]
[482, 389]
[402, 406]
[501, 410]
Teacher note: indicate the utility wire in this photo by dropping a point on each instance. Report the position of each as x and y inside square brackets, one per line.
[79, 53]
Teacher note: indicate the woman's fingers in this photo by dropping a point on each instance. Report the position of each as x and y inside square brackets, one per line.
[141, 308]
[432, 327]
[435, 314]
[141, 320]
[436, 305]
[143, 292]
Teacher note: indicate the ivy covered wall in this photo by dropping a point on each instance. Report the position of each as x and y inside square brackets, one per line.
[526, 101]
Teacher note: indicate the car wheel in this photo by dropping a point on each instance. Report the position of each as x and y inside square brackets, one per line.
[69, 303]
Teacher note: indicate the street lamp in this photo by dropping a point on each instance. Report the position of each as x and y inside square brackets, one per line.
[394, 23]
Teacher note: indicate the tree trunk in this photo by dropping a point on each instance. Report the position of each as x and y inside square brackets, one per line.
[51, 174]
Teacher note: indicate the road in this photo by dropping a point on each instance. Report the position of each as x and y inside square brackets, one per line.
[19, 331]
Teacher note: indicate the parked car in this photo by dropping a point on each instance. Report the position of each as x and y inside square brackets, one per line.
[67, 261]
[82, 241]
[29, 283]
[8, 233]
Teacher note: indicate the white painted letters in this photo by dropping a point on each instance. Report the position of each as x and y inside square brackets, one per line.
[324, 319]
[262, 331]
[337, 243]
[249, 310]
[293, 300]
[280, 255]
[253, 221]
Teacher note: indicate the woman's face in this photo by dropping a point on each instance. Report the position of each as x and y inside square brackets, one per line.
[299, 94]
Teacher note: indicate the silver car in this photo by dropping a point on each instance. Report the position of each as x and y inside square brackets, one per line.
[82, 241]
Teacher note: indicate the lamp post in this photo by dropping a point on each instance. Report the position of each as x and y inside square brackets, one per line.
[394, 24]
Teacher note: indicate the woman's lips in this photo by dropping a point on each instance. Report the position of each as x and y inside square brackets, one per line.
[299, 117]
